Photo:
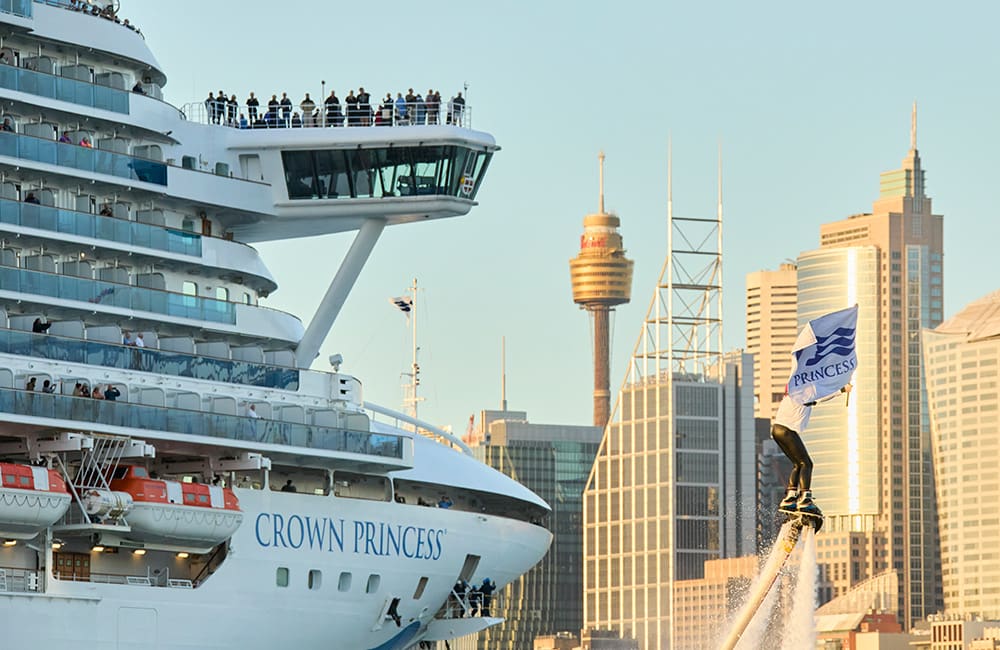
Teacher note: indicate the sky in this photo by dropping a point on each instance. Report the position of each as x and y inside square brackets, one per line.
[810, 102]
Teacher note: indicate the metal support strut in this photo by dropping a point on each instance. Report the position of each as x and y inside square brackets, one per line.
[336, 293]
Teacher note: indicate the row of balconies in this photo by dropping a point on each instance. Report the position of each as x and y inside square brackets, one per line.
[78, 150]
[156, 409]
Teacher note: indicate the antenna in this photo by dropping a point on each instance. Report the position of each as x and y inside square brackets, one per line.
[600, 158]
[913, 127]
[503, 373]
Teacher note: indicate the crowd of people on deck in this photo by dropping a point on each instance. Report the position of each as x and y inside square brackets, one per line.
[107, 12]
[356, 109]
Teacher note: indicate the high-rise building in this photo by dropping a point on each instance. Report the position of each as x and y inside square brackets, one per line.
[674, 482]
[771, 330]
[962, 357]
[553, 460]
[873, 466]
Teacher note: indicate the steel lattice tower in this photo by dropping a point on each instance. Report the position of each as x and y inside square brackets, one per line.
[632, 545]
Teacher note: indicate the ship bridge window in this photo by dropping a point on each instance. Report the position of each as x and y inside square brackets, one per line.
[385, 171]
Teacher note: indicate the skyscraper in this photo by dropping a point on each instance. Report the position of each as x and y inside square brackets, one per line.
[771, 330]
[962, 357]
[873, 459]
[674, 481]
[553, 460]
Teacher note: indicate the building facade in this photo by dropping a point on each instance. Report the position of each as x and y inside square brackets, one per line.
[771, 328]
[658, 505]
[873, 457]
[962, 359]
[554, 461]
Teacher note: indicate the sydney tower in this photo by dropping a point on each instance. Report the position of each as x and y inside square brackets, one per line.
[602, 278]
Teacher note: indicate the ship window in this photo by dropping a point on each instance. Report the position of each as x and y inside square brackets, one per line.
[202, 498]
[315, 579]
[247, 299]
[189, 289]
[25, 480]
[221, 293]
[189, 497]
[420, 589]
[374, 580]
[344, 584]
[139, 472]
[281, 578]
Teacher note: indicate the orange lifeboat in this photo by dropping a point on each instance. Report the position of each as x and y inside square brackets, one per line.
[31, 499]
[171, 512]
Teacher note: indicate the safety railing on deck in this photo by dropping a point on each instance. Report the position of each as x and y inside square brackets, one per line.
[184, 422]
[112, 294]
[85, 159]
[85, 224]
[64, 89]
[162, 362]
[16, 7]
[338, 116]
[19, 580]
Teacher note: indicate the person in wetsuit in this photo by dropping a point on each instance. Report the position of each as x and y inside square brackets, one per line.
[790, 420]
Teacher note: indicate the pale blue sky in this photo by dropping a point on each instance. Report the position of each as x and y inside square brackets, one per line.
[810, 101]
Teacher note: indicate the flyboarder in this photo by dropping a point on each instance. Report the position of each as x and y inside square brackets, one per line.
[790, 420]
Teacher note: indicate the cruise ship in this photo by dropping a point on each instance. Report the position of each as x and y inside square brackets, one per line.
[173, 475]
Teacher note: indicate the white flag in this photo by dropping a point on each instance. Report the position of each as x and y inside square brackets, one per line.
[403, 303]
[825, 356]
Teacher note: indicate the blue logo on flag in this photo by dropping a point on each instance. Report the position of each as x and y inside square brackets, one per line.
[839, 342]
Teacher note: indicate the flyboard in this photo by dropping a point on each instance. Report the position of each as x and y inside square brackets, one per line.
[789, 536]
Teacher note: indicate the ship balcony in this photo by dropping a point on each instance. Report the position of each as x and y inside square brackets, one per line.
[155, 422]
[71, 228]
[65, 89]
[84, 159]
[19, 8]
[161, 362]
[61, 221]
[71, 293]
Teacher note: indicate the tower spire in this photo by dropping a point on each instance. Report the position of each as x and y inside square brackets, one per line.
[600, 158]
[913, 127]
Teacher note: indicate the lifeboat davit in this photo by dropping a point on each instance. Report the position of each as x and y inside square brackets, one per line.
[31, 499]
[175, 513]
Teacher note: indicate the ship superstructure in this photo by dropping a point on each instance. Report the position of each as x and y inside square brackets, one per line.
[173, 473]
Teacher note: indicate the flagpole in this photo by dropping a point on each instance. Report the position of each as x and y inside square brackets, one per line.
[415, 369]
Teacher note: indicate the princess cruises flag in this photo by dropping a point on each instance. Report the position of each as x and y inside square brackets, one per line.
[825, 356]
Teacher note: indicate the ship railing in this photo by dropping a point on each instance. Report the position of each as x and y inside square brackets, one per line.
[88, 159]
[114, 294]
[401, 420]
[98, 8]
[20, 8]
[66, 89]
[322, 117]
[19, 580]
[85, 224]
[199, 423]
[161, 362]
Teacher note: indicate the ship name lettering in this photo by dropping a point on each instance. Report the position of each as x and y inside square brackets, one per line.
[319, 533]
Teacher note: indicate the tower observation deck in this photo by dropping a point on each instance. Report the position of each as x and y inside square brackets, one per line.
[602, 279]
